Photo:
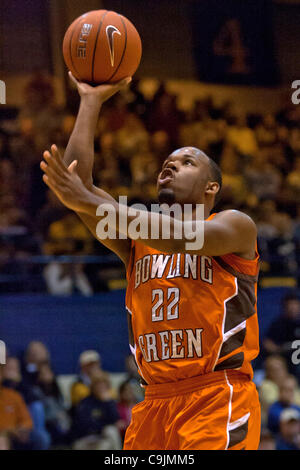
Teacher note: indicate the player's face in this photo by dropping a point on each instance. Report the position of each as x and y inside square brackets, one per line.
[183, 177]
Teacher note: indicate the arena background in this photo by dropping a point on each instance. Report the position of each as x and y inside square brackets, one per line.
[187, 91]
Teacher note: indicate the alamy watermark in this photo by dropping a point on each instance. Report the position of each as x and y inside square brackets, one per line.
[2, 92]
[296, 354]
[162, 222]
[296, 94]
[2, 353]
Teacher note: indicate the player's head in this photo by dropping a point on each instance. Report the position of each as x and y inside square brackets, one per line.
[189, 176]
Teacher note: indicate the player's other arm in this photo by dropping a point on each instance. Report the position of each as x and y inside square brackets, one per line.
[81, 148]
[230, 231]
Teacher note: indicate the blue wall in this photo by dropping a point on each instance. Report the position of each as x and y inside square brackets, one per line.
[70, 325]
[67, 326]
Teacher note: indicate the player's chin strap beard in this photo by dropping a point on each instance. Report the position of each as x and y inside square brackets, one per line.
[166, 196]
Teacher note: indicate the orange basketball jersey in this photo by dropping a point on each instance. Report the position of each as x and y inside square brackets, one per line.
[189, 315]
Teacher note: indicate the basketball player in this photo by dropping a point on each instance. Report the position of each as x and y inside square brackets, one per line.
[192, 314]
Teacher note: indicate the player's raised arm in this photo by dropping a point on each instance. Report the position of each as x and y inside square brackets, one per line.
[81, 143]
[81, 148]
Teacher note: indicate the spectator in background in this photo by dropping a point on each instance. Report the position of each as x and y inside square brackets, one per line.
[232, 177]
[39, 109]
[96, 418]
[262, 178]
[68, 235]
[294, 140]
[296, 231]
[126, 402]
[164, 115]
[276, 372]
[293, 179]
[90, 365]
[67, 279]
[57, 419]
[287, 399]
[267, 219]
[109, 166]
[35, 356]
[131, 138]
[241, 137]
[15, 419]
[114, 115]
[160, 146]
[51, 212]
[284, 330]
[266, 131]
[289, 430]
[267, 441]
[12, 378]
[144, 171]
[136, 100]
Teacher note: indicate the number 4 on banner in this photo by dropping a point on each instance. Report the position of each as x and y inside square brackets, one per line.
[229, 43]
[2, 92]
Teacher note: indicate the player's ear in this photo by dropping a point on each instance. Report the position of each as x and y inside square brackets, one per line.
[212, 187]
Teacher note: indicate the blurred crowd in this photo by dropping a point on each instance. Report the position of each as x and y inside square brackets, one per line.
[39, 412]
[259, 156]
[277, 377]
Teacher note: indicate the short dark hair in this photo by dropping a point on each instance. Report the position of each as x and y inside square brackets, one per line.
[216, 175]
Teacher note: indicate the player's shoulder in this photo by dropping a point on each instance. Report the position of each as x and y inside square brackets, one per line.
[238, 218]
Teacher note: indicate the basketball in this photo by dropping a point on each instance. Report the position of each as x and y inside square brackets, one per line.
[102, 47]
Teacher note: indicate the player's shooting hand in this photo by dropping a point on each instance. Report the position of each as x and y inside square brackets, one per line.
[101, 92]
[64, 181]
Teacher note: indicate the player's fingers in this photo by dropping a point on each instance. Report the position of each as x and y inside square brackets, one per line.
[52, 174]
[53, 163]
[45, 179]
[54, 156]
[57, 157]
[49, 183]
[122, 83]
[126, 81]
[73, 78]
[109, 89]
[72, 166]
